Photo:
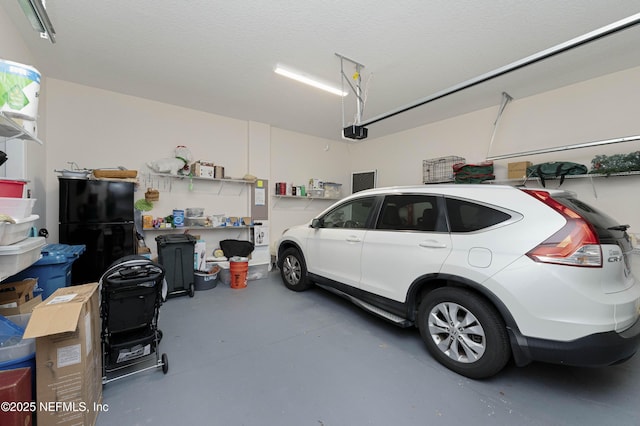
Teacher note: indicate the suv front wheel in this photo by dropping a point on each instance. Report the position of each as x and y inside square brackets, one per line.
[463, 332]
[294, 271]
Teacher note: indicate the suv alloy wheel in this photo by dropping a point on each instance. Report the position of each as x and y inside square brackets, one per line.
[463, 332]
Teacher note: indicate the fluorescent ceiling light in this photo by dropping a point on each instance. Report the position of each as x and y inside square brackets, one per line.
[37, 16]
[302, 78]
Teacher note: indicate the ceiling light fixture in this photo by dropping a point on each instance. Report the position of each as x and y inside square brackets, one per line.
[306, 79]
[37, 16]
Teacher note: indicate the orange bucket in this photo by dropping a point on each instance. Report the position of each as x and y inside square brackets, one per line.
[238, 272]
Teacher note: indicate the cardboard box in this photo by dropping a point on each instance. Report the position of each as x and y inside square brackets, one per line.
[23, 308]
[67, 329]
[147, 221]
[18, 291]
[203, 169]
[17, 297]
[518, 170]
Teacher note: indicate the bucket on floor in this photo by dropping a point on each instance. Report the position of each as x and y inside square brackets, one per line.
[238, 268]
[205, 280]
[19, 90]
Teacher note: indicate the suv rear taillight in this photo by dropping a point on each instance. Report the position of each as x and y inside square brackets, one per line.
[576, 244]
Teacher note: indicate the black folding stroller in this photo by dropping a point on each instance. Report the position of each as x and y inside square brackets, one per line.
[131, 293]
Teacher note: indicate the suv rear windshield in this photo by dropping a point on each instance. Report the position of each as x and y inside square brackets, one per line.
[600, 221]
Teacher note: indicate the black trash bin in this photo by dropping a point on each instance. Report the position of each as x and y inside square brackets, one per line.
[175, 254]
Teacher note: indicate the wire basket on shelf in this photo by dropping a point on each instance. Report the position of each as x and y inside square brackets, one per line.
[439, 170]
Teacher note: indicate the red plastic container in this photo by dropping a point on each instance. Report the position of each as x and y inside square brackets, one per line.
[11, 188]
[15, 391]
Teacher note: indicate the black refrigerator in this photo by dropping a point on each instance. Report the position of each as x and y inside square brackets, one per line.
[100, 215]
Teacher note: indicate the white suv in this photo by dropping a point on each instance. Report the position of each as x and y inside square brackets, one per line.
[485, 272]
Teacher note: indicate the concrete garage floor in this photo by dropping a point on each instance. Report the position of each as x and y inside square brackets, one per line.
[264, 355]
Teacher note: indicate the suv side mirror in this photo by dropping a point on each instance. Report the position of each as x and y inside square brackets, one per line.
[317, 223]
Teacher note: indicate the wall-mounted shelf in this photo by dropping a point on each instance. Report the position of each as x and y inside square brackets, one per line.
[306, 197]
[11, 130]
[200, 228]
[309, 200]
[204, 178]
[167, 177]
[587, 176]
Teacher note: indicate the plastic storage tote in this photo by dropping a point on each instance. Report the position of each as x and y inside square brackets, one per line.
[17, 208]
[18, 256]
[175, 254]
[15, 232]
[11, 188]
[53, 269]
[23, 352]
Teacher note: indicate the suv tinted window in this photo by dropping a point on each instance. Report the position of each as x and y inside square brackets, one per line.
[601, 222]
[411, 212]
[465, 216]
[353, 214]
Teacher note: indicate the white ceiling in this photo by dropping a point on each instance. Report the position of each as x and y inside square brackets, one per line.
[218, 56]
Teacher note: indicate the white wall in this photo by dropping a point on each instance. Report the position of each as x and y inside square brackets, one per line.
[598, 109]
[101, 129]
[296, 158]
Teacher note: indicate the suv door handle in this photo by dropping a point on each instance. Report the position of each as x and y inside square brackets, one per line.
[353, 239]
[432, 244]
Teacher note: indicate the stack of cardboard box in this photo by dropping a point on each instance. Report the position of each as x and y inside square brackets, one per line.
[17, 297]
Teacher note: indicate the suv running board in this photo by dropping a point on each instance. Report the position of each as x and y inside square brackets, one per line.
[393, 318]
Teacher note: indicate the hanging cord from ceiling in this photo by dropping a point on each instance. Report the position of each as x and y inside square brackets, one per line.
[506, 98]
[357, 89]
[365, 94]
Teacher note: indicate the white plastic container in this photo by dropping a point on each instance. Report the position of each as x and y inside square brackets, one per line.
[17, 208]
[19, 90]
[332, 190]
[257, 271]
[14, 232]
[224, 275]
[19, 256]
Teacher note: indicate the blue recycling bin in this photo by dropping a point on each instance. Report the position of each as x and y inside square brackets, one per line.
[53, 269]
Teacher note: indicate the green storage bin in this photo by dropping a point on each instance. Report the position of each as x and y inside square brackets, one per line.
[175, 254]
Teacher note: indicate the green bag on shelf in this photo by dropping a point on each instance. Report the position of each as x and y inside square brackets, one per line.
[556, 169]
